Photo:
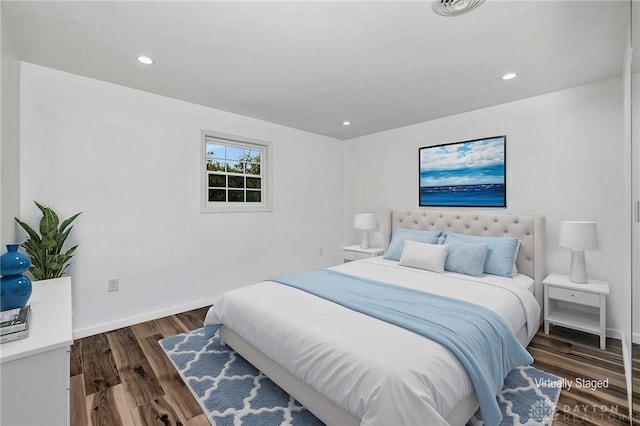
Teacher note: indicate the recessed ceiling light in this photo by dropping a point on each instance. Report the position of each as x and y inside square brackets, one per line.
[145, 60]
[509, 76]
[346, 123]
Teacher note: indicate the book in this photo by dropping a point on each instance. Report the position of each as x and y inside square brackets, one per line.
[14, 324]
[14, 320]
[14, 336]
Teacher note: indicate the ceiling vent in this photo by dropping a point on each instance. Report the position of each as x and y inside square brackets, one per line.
[454, 7]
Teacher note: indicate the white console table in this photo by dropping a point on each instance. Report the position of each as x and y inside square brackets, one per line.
[34, 372]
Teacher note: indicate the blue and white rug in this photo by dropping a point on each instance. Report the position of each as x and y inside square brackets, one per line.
[233, 392]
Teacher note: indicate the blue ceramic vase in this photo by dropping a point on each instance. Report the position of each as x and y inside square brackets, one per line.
[15, 288]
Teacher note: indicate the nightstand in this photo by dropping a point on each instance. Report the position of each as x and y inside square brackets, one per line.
[578, 306]
[350, 253]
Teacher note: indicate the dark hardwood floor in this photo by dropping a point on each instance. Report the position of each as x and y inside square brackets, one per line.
[576, 356]
[124, 378]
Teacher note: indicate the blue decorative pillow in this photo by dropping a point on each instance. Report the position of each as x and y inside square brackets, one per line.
[400, 235]
[466, 258]
[501, 255]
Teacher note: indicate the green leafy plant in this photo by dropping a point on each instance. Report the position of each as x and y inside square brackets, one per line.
[45, 249]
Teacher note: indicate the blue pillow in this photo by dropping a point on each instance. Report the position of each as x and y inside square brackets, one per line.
[400, 235]
[466, 258]
[501, 255]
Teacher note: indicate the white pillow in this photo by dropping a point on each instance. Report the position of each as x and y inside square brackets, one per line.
[424, 256]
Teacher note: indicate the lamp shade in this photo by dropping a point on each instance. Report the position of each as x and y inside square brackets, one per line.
[578, 235]
[364, 221]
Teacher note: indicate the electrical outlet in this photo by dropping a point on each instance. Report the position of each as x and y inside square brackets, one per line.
[113, 285]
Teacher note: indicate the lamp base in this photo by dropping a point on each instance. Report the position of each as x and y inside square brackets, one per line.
[578, 267]
[365, 239]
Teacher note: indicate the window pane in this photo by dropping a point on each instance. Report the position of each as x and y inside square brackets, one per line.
[234, 153]
[215, 151]
[254, 182]
[219, 181]
[215, 165]
[208, 149]
[217, 195]
[252, 155]
[252, 169]
[255, 155]
[236, 196]
[236, 182]
[235, 167]
[254, 196]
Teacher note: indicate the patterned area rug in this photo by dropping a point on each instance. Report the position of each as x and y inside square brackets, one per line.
[232, 392]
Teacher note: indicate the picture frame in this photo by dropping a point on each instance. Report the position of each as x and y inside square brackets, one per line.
[469, 173]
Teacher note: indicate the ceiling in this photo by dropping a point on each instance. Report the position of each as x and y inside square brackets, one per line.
[313, 65]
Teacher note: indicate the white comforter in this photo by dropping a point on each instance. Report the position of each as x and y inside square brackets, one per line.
[378, 372]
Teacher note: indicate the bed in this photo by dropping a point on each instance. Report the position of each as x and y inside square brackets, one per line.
[348, 368]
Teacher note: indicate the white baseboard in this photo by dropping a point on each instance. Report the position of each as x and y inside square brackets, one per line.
[136, 319]
[615, 333]
[636, 338]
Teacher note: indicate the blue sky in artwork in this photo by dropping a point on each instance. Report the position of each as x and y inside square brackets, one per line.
[468, 163]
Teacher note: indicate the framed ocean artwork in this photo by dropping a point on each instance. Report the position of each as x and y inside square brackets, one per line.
[464, 174]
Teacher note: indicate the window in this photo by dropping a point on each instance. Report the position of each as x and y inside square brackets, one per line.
[235, 174]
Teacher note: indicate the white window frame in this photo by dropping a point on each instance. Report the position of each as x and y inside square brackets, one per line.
[266, 148]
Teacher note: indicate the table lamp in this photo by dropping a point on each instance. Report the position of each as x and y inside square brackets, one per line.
[578, 236]
[364, 221]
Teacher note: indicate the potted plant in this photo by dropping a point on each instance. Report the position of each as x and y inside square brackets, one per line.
[45, 249]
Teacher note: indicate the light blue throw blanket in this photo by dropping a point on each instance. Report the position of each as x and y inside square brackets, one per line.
[480, 339]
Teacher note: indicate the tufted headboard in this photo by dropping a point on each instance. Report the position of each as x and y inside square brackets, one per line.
[530, 230]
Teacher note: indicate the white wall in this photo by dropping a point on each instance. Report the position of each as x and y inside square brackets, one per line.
[129, 160]
[10, 139]
[565, 160]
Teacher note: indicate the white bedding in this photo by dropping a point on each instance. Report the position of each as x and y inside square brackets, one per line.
[378, 372]
[524, 281]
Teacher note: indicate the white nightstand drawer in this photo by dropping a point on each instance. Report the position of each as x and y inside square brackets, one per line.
[354, 255]
[350, 253]
[574, 296]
